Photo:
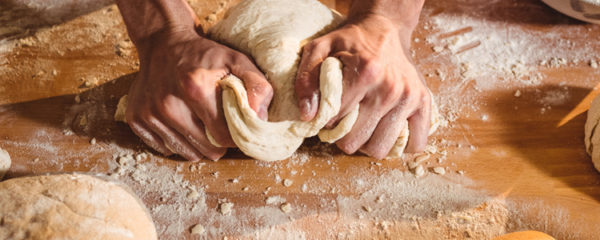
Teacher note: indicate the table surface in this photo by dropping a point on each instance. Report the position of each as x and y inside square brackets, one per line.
[512, 78]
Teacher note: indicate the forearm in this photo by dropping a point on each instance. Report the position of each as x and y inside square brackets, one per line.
[146, 18]
[403, 13]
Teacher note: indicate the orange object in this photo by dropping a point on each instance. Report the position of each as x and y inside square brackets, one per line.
[525, 235]
[583, 106]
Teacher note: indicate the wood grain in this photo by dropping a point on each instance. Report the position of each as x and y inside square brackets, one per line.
[518, 154]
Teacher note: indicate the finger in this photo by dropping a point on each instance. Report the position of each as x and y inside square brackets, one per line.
[355, 85]
[260, 92]
[191, 128]
[149, 138]
[368, 118]
[173, 140]
[307, 78]
[418, 125]
[386, 133]
[203, 96]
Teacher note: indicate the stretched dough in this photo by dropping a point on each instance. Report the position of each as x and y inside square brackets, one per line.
[71, 206]
[273, 33]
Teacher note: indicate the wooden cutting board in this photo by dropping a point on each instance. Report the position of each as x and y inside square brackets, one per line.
[59, 86]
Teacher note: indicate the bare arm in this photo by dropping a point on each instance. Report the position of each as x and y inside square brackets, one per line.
[146, 19]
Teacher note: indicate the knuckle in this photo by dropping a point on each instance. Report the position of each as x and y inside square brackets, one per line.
[369, 72]
[312, 45]
[168, 107]
[263, 88]
[348, 147]
[191, 88]
[392, 91]
[240, 58]
[137, 116]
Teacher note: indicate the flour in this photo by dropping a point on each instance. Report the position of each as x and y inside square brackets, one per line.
[505, 52]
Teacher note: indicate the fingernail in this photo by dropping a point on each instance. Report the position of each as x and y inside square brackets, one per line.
[308, 105]
[305, 109]
[263, 113]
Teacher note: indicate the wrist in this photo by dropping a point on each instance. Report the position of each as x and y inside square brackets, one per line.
[145, 19]
[164, 39]
[404, 14]
[382, 27]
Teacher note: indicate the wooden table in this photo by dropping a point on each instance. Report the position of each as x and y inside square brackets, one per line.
[508, 145]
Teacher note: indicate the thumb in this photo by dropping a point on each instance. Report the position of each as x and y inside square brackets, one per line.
[307, 78]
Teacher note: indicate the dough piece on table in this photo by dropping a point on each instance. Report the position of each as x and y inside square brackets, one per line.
[273, 33]
[71, 206]
[4, 162]
[592, 133]
[121, 108]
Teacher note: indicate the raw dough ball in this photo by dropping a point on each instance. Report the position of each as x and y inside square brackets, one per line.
[592, 133]
[71, 206]
[273, 33]
[4, 162]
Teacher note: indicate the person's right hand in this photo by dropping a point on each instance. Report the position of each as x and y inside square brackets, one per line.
[176, 94]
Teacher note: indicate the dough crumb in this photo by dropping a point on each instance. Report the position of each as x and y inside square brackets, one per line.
[197, 229]
[287, 182]
[90, 82]
[438, 49]
[93, 141]
[421, 158]
[121, 107]
[419, 171]
[226, 208]
[272, 200]
[594, 64]
[518, 93]
[193, 194]
[211, 17]
[286, 207]
[439, 170]
[4, 162]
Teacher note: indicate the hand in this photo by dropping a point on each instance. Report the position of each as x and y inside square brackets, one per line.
[176, 94]
[378, 76]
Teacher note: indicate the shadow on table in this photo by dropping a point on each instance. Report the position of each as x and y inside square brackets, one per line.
[530, 123]
[23, 18]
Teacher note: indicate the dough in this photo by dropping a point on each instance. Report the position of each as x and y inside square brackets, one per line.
[273, 33]
[71, 206]
[592, 133]
[4, 162]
